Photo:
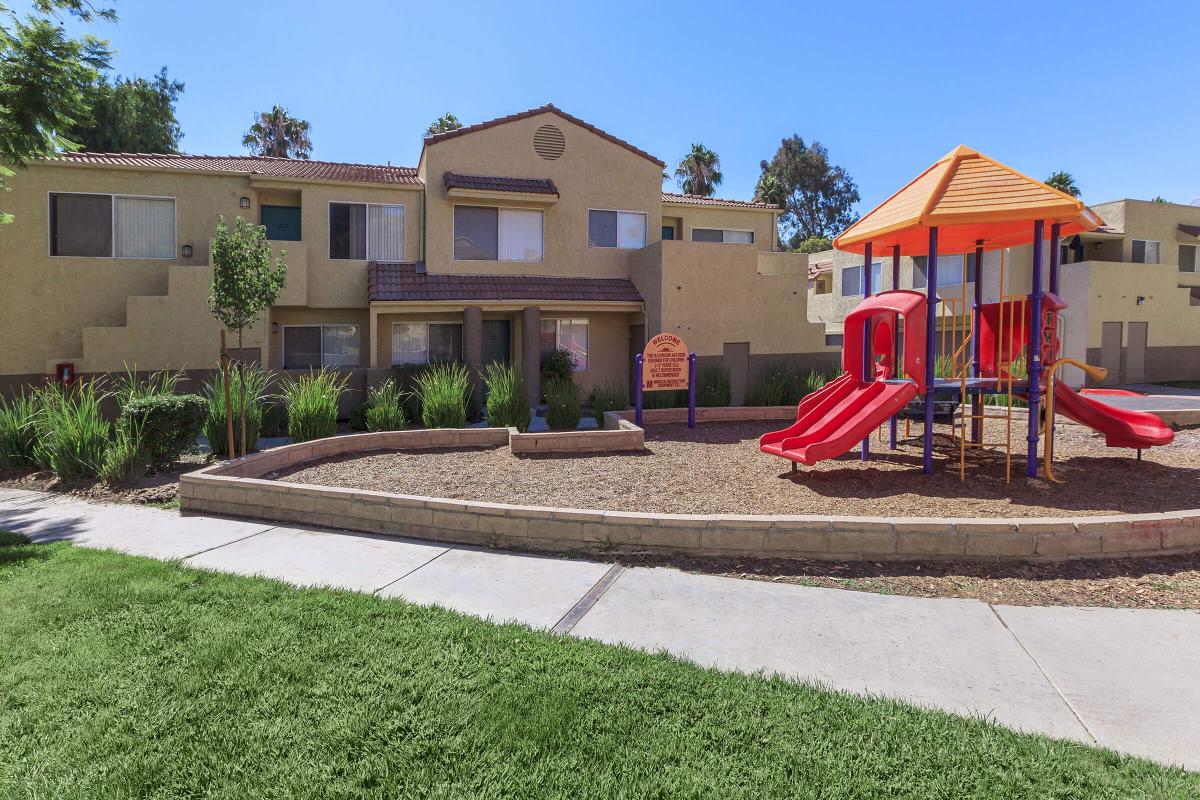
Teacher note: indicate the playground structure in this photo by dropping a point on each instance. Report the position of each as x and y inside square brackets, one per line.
[965, 203]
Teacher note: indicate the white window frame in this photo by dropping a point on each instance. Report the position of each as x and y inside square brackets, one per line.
[367, 224]
[322, 326]
[497, 259]
[587, 229]
[1145, 242]
[753, 234]
[585, 321]
[426, 324]
[113, 225]
[875, 289]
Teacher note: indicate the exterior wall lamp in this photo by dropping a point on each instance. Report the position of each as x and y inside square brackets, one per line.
[187, 251]
[1141, 301]
[274, 327]
[244, 202]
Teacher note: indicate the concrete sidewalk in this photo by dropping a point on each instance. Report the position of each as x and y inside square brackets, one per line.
[1125, 679]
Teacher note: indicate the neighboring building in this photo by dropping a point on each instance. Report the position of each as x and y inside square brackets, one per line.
[508, 238]
[1132, 289]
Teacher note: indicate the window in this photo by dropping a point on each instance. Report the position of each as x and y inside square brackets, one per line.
[852, 279]
[723, 236]
[833, 340]
[1187, 258]
[483, 233]
[823, 284]
[316, 346]
[949, 270]
[1146, 251]
[668, 233]
[426, 342]
[624, 229]
[567, 334]
[112, 226]
[366, 231]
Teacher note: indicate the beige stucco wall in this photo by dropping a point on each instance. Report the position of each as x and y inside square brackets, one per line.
[762, 222]
[592, 173]
[316, 316]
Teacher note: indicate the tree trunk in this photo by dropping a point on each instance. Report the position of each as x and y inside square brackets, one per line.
[242, 388]
[228, 406]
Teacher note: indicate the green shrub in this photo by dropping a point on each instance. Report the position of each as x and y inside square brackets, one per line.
[73, 436]
[813, 380]
[358, 417]
[274, 420]
[130, 454]
[18, 430]
[674, 398]
[714, 389]
[1020, 374]
[312, 404]
[168, 424]
[557, 364]
[779, 386]
[943, 367]
[131, 387]
[257, 382]
[443, 389]
[610, 395]
[406, 382]
[385, 408]
[507, 397]
[562, 404]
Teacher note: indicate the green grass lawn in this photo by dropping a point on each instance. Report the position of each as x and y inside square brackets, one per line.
[126, 677]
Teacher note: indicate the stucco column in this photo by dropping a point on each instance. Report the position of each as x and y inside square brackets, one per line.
[531, 351]
[473, 353]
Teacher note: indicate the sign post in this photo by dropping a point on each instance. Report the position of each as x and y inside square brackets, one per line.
[666, 365]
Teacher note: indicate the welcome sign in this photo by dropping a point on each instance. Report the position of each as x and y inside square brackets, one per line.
[665, 363]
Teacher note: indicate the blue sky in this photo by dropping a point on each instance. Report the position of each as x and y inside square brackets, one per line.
[1105, 90]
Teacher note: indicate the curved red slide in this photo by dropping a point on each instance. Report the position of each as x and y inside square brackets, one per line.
[831, 421]
[1121, 427]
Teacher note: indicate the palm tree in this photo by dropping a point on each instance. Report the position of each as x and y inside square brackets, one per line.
[699, 172]
[1064, 182]
[446, 122]
[277, 133]
[770, 190]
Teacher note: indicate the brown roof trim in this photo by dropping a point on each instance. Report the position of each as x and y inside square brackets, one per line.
[495, 183]
[256, 166]
[549, 108]
[697, 200]
[409, 282]
[1191, 230]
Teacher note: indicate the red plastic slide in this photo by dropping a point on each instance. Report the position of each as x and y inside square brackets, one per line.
[1121, 427]
[831, 421]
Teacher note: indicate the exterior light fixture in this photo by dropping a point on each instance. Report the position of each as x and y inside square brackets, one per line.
[274, 327]
[187, 251]
[1141, 301]
[244, 202]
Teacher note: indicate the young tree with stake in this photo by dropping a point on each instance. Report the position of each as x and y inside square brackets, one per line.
[246, 282]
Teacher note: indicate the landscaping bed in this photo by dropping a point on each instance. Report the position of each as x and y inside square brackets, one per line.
[717, 469]
[160, 487]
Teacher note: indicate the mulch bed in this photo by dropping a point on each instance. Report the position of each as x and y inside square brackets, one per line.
[160, 487]
[718, 469]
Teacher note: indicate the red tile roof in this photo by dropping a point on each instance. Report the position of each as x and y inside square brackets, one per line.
[405, 281]
[549, 108]
[697, 200]
[457, 180]
[296, 168]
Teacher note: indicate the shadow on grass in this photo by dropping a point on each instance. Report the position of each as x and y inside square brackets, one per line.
[17, 547]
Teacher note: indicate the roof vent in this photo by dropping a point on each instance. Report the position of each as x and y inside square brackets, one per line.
[549, 142]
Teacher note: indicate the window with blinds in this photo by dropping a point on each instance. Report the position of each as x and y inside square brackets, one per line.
[487, 233]
[623, 229]
[416, 343]
[316, 346]
[723, 236]
[112, 226]
[366, 231]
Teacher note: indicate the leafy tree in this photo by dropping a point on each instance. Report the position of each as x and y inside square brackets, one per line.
[44, 78]
[446, 122]
[818, 196]
[1064, 182]
[769, 190]
[131, 115]
[815, 244]
[1158, 198]
[699, 172]
[277, 133]
[245, 282]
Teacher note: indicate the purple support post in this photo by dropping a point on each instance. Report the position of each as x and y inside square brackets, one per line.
[691, 390]
[1055, 256]
[868, 373]
[1034, 344]
[930, 336]
[895, 331]
[637, 392]
[976, 306]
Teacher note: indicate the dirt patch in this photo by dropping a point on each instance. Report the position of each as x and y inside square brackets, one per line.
[157, 488]
[718, 469]
[1160, 582]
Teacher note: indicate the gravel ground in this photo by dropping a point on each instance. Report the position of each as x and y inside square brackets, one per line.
[717, 468]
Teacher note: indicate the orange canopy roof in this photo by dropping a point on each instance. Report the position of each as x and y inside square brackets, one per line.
[968, 197]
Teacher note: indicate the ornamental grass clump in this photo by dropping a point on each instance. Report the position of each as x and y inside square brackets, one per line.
[507, 397]
[131, 387]
[257, 381]
[18, 430]
[779, 386]
[443, 389]
[73, 435]
[385, 408]
[814, 380]
[714, 388]
[312, 404]
[130, 453]
[609, 395]
[562, 404]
